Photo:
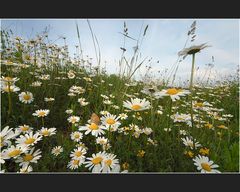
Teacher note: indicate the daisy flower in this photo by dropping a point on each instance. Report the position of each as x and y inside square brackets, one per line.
[24, 128]
[26, 97]
[48, 99]
[28, 139]
[94, 163]
[9, 79]
[92, 128]
[76, 89]
[2, 161]
[47, 132]
[182, 132]
[147, 131]
[181, 117]
[36, 84]
[205, 165]
[167, 129]
[108, 102]
[26, 169]
[71, 74]
[150, 90]
[111, 121]
[123, 116]
[11, 88]
[57, 150]
[201, 105]
[81, 144]
[104, 112]
[172, 92]
[102, 140]
[78, 153]
[75, 163]
[29, 157]
[41, 113]
[5, 135]
[190, 143]
[82, 101]
[192, 50]
[76, 136]
[13, 152]
[69, 111]
[73, 119]
[137, 104]
[109, 163]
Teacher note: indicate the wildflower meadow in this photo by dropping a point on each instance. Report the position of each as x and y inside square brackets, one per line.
[67, 114]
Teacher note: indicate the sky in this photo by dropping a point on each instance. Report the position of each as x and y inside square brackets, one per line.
[163, 40]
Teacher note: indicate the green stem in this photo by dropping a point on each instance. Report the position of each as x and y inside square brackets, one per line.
[152, 116]
[192, 72]
[190, 87]
[9, 101]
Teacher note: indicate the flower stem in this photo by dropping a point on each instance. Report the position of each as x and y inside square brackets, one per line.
[192, 73]
[191, 87]
[9, 101]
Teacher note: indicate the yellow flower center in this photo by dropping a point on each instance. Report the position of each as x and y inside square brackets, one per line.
[45, 132]
[136, 107]
[198, 104]
[74, 120]
[222, 126]
[190, 144]
[204, 151]
[94, 126]
[78, 153]
[125, 165]
[180, 118]
[108, 162]
[24, 128]
[173, 91]
[208, 125]
[26, 97]
[206, 167]
[110, 121]
[97, 160]
[190, 154]
[28, 157]
[76, 136]
[29, 141]
[8, 78]
[42, 113]
[75, 162]
[102, 142]
[14, 153]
